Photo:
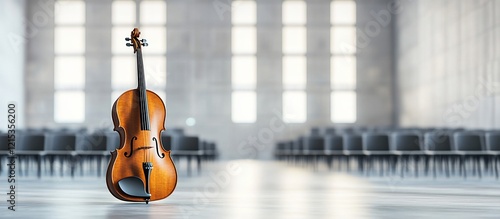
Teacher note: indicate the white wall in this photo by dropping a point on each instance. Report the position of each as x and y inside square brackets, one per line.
[12, 60]
[448, 63]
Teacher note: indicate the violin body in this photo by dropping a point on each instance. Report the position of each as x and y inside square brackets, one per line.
[140, 169]
[126, 119]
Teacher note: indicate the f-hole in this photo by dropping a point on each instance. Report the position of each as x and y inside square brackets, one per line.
[157, 149]
[131, 147]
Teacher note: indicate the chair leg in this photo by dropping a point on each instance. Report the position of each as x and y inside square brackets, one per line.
[199, 164]
[189, 165]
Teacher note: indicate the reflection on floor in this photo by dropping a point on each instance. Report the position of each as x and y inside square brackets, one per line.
[265, 189]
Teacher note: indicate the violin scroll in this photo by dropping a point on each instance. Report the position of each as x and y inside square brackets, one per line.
[134, 37]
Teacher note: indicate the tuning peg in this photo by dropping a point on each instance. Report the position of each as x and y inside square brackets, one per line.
[145, 44]
[128, 44]
[144, 41]
[127, 39]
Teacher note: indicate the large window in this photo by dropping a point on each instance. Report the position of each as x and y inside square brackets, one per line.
[69, 62]
[244, 63]
[294, 75]
[343, 61]
[152, 21]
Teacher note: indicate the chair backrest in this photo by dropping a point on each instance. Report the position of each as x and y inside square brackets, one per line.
[493, 141]
[288, 145]
[334, 143]
[404, 141]
[437, 141]
[4, 145]
[279, 146]
[174, 131]
[298, 144]
[314, 143]
[352, 142]
[62, 142]
[113, 141]
[31, 142]
[376, 142]
[166, 141]
[185, 143]
[92, 142]
[330, 131]
[467, 141]
[315, 131]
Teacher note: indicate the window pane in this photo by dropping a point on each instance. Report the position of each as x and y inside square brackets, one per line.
[243, 40]
[244, 107]
[294, 106]
[69, 106]
[153, 12]
[343, 40]
[118, 43]
[69, 40]
[243, 12]
[343, 72]
[343, 12]
[244, 72]
[343, 107]
[294, 12]
[294, 72]
[69, 72]
[156, 38]
[155, 70]
[69, 12]
[123, 12]
[123, 72]
[294, 40]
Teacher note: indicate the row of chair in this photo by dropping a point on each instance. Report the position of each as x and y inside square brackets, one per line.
[73, 149]
[323, 131]
[398, 146]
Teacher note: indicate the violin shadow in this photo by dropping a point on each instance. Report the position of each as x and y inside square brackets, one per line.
[143, 210]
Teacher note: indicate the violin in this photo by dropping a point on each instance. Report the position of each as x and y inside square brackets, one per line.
[140, 169]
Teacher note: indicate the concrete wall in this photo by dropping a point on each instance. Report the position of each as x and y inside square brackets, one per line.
[199, 77]
[448, 56]
[12, 57]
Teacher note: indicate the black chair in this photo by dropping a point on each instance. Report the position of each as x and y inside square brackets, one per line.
[407, 146]
[334, 149]
[93, 147]
[284, 150]
[113, 141]
[166, 141]
[210, 150]
[298, 150]
[353, 149]
[469, 145]
[29, 147]
[279, 150]
[376, 147]
[189, 147]
[438, 149]
[4, 150]
[315, 131]
[174, 131]
[314, 148]
[492, 140]
[61, 146]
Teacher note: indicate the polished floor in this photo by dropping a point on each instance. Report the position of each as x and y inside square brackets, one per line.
[265, 189]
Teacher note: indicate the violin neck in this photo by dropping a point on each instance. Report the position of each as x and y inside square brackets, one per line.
[141, 87]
